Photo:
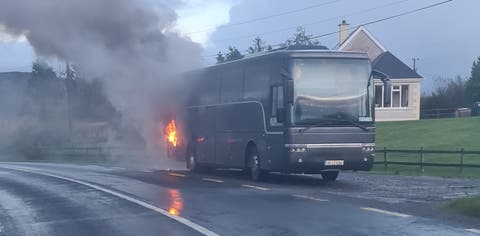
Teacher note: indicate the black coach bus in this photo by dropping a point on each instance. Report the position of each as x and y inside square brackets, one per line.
[290, 111]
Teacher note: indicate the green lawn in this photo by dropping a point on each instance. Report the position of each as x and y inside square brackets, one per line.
[467, 206]
[443, 134]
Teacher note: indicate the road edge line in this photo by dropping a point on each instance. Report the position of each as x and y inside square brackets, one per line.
[179, 219]
[472, 230]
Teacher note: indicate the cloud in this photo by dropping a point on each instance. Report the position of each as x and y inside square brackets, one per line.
[198, 15]
[7, 37]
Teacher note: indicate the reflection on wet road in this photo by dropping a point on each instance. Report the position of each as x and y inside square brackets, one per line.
[176, 204]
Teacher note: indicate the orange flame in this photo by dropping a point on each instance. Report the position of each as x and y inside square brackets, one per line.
[171, 133]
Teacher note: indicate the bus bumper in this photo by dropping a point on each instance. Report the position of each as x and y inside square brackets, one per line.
[314, 161]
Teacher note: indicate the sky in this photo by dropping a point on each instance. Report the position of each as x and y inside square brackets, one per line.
[444, 38]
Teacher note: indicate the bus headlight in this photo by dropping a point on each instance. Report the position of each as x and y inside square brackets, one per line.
[298, 149]
[368, 148]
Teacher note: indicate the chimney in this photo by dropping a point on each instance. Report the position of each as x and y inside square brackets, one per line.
[343, 31]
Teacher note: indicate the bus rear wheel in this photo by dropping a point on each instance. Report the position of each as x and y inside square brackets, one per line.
[254, 170]
[192, 164]
[330, 176]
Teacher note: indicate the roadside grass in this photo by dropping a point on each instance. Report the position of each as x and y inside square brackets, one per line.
[449, 172]
[443, 134]
[467, 206]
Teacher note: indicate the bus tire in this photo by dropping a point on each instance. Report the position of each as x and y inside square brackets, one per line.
[254, 170]
[330, 176]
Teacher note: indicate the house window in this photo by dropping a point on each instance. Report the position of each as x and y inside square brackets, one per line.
[378, 96]
[400, 96]
[395, 96]
[405, 95]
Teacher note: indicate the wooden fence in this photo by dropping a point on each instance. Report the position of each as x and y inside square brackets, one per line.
[459, 154]
[382, 157]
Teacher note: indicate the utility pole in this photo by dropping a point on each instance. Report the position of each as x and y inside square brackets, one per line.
[415, 63]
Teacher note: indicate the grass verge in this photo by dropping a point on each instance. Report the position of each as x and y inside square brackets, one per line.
[443, 134]
[467, 206]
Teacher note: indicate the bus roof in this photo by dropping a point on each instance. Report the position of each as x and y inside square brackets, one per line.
[297, 52]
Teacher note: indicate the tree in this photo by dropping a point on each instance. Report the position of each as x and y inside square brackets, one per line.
[220, 58]
[233, 54]
[473, 84]
[70, 73]
[300, 38]
[41, 70]
[258, 45]
[450, 94]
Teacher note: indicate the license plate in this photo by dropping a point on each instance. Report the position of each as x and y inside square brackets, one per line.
[334, 163]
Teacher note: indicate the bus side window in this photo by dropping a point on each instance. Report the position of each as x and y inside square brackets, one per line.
[278, 113]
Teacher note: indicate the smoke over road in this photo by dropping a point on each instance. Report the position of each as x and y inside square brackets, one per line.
[125, 43]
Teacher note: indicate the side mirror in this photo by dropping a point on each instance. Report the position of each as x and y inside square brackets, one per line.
[289, 91]
[281, 115]
[387, 85]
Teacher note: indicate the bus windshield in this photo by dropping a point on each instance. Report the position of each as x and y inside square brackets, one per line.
[331, 90]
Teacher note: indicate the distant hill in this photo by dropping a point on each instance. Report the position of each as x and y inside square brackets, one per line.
[12, 88]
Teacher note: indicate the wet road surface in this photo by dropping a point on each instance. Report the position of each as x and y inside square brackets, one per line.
[60, 199]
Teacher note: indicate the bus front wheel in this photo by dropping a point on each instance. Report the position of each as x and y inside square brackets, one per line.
[253, 167]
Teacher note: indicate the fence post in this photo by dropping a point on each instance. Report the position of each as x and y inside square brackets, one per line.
[421, 160]
[461, 160]
[385, 162]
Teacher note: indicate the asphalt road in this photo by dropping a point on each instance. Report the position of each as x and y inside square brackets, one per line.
[60, 199]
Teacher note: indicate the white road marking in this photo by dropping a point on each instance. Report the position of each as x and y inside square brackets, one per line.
[177, 175]
[213, 180]
[475, 231]
[179, 219]
[255, 187]
[386, 212]
[310, 198]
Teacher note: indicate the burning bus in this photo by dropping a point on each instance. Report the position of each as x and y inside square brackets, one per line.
[294, 110]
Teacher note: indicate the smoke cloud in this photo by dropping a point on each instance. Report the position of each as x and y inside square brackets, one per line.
[126, 43]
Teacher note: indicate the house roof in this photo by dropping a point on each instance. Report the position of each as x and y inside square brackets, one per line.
[352, 35]
[393, 67]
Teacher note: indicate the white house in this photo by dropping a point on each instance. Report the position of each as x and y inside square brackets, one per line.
[405, 103]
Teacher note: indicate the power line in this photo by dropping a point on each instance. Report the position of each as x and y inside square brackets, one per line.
[369, 23]
[386, 18]
[315, 22]
[263, 17]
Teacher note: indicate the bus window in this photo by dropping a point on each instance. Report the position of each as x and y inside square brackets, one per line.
[277, 106]
[257, 82]
[232, 85]
[210, 88]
